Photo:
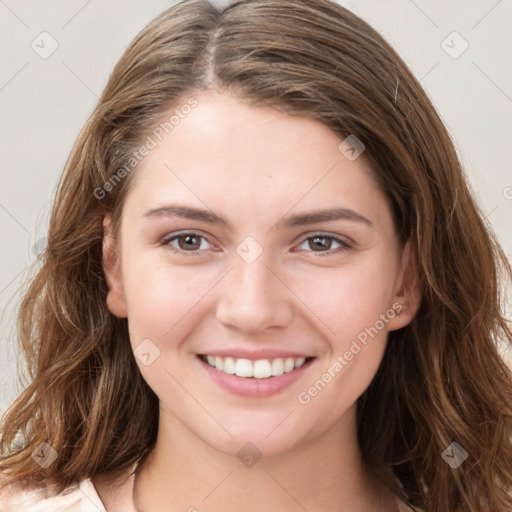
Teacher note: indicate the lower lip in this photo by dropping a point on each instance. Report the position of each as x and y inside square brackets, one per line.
[251, 387]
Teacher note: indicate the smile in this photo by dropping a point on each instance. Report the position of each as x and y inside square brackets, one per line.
[254, 374]
[259, 369]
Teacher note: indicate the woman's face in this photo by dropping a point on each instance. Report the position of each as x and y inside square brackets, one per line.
[224, 252]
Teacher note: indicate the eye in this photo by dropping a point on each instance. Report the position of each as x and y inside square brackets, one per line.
[323, 243]
[189, 241]
[193, 243]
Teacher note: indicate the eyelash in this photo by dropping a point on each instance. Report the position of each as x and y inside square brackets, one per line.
[344, 245]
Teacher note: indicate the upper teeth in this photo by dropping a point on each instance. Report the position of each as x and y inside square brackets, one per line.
[260, 369]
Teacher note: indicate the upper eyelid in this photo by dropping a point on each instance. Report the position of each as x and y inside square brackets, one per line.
[343, 239]
[173, 236]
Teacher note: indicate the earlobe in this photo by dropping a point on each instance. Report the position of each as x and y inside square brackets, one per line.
[112, 269]
[408, 291]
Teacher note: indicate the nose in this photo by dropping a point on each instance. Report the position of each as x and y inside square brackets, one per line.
[252, 297]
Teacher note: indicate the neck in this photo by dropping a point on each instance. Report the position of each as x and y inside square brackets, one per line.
[185, 474]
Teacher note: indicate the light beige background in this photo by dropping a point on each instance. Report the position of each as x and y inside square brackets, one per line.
[45, 101]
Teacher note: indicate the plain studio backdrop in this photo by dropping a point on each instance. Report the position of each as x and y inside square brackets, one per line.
[56, 57]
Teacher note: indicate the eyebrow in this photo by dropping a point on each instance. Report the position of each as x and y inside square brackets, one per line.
[302, 219]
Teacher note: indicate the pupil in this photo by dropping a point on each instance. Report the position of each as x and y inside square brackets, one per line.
[189, 240]
[317, 240]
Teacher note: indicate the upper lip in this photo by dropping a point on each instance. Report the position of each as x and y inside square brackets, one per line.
[254, 355]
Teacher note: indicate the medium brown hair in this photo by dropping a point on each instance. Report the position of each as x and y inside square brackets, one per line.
[441, 380]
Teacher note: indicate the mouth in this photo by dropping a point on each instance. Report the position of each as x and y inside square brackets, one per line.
[259, 369]
[258, 378]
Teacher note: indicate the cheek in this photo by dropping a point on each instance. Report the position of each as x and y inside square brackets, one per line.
[161, 299]
[164, 304]
[353, 317]
[352, 307]
[347, 300]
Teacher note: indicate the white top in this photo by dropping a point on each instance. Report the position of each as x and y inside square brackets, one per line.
[78, 498]
[81, 497]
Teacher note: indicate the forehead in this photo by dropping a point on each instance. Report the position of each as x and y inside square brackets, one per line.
[256, 157]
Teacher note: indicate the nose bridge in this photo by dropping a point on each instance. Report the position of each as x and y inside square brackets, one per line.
[253, 277]
[252, 297]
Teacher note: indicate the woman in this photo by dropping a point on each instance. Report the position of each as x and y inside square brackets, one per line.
[266, 286]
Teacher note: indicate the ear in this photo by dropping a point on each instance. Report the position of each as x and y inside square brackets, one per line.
[408, 290]
[112, 269]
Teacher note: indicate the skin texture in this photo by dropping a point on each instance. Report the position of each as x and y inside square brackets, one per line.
[254, 166]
